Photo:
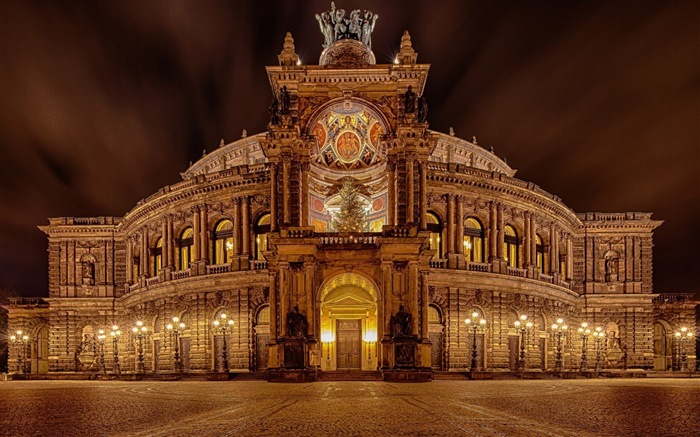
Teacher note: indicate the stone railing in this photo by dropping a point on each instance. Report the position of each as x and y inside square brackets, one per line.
[349, 239]
[218, 268]
[673, 298]
[27, 302]
[438, 263]
[132, 287]
[478, 267]
[258, 264]
[181, 274]
[514, 271]
[152, 281]
[546, 278]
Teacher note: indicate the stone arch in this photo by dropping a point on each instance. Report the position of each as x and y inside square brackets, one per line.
[663, 345]
[349, 322]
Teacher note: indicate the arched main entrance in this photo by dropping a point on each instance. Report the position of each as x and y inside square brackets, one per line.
[348, 323]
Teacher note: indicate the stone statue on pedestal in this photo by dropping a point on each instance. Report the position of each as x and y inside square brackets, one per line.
[401, 323]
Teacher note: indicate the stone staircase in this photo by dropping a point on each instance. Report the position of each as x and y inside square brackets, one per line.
[350, 375]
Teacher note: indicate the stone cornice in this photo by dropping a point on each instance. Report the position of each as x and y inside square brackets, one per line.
[459, 175]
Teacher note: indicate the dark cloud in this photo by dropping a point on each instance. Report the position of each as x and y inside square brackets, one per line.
[102, 103]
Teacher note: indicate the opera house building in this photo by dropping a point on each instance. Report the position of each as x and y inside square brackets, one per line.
[350, 239]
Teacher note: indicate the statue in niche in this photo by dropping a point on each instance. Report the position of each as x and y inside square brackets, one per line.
[274, 112]
[409, 101]
[401, 323]
[297, 325]
[611, 269]
[88, 273]
[422, 109]
[285, 100]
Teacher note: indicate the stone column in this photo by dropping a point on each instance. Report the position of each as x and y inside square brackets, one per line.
[569, 259]
[450, 224]
[553, 251]
[493, 232]
[145, 271]
[273, 305]
[410, 193]
[204, 229]
[391, 195]
[273, 197]
[424, 305]
[171, 240]
[423, 196]
[533, 240]
[284, 292]
[387, 276]
[237, 226]
[166, 245]
[286, 195]
[459, 228]
[501, 225]
[197, 237]
[304, 195]
[413, 291]
[245, 225]
[129, 260]
[528, 239]
[309, 289]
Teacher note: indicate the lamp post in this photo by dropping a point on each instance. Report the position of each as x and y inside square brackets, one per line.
[115, 334]
[20, 340]
[474, 322]
[598, 335]
[327, 338]
[176, 328]
[584, 331]
[140, 332]
[523, 325]
[370, 339]
[224, 326]
[559, 329]
[683, 335]
[101, 342]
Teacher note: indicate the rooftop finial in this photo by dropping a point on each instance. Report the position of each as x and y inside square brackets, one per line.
[288, 57]
[335, 26]
[406, 55]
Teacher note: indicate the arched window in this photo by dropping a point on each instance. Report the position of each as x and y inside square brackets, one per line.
[262, 227]
[473, 240]
[510, 246]
[223, 242]
[435, 228]
[186, 244]
[157, 257]
[539, 253]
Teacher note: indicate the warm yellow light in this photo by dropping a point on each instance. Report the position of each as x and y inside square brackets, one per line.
[396, 60]
[182, 325]
[482, 322]
[144, 329]
[101, 331]
[560, 321]
[371, 336]
[139, 323]
[115, 327]
[223, 316]
[230, 322]
[25, 338]
[475, 314]
[327, 337]
[584, 325]
[169, 327]
[528, 324]
[216, 323]
[517, 323]
[555, 326]
[135, 330]
[298, 61]
[176, 319]
[19, 333]
[523, 317]
[13, 338]
[467, 244]
[564, 328]
[683, 329]
[468, 321]
[677, 334]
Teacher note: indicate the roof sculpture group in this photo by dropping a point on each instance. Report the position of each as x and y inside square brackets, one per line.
[336, 26]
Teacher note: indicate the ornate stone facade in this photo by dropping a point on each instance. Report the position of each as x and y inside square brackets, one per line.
[452, 231]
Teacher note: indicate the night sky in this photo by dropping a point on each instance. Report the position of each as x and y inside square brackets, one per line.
[104, 102]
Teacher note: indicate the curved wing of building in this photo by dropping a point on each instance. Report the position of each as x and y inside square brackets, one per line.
[446, 261]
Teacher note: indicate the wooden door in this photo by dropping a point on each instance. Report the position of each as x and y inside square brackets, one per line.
[185, 345]
[261, 351]
[436, 350]
[513, 352]
[349, 344]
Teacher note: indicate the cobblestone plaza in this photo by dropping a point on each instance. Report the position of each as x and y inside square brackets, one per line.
[600, 407]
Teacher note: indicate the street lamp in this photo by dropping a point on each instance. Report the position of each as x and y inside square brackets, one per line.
[559, 329]
[370, 339]
[598, 335]
[474, 322]
[20, 340]
[115, 334]
[140, 332]
[101, 342]
[327, 338]
[177, 328]
[523, 325]
[224, 327]
[683, 335]
[584, 332]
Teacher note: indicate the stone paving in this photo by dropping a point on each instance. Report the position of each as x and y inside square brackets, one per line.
[603, 407]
